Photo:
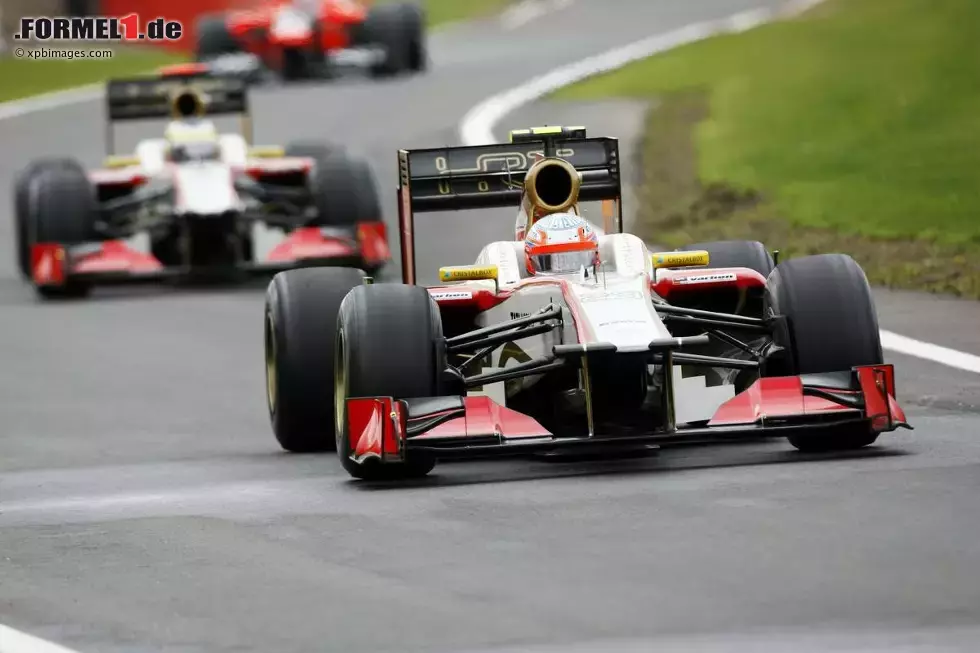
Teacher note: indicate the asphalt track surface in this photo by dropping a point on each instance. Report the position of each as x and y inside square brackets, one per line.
[144, 505]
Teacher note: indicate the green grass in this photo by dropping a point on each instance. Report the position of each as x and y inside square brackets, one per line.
[24, 77]
[445, 11]
[856, 126]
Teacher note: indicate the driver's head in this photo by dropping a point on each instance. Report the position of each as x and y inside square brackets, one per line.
[192, 139]
[562, 243]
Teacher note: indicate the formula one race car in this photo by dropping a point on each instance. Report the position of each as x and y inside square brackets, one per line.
[566, 340]
[198, 195]
[301, 39]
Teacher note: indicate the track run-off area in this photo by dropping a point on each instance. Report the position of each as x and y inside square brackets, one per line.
[145, 505]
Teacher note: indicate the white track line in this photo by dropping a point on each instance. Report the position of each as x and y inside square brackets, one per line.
[48, 101]
[478, 124]
[930, 352]
[14, 641]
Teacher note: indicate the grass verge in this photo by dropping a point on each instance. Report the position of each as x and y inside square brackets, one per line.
[24, 77]
[21, 78]
[446, 11]
[855, 128]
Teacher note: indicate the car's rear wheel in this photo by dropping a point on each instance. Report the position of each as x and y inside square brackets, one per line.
[213, 38]
[399, 30]
[830, 326]
[729, 254]
[736, 254]
[344, 191]
[389, 344]
[301, 309]
[64, 211]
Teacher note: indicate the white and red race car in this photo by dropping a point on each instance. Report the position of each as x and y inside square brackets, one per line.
[624, 350]
[197, 193]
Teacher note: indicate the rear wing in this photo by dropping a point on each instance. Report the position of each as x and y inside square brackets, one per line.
[491, 176]
[146, 98]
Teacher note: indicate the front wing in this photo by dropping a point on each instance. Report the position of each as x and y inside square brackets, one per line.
[384, 429]
[114, 262]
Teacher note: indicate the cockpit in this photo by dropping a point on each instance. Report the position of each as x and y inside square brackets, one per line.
[195, 151]
[192, 140]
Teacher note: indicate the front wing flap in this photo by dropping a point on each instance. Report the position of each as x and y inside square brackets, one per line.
[384, 428]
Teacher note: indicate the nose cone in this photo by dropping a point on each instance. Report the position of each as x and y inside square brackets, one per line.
[205, 188]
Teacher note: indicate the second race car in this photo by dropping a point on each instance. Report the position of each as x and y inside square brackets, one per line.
[302, 39]
[566, 338]
[197, 194]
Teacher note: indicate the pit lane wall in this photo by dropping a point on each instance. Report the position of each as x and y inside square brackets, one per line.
[186, 11]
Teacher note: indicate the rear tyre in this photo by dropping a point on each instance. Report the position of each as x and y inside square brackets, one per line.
[736, 254]
[213, 38]
[418, 51]
[344, 191]
[64, 212]
[831, 326]
[389, 344]
[301, 308]
[295, 65]
[23, 188]
[398, 29]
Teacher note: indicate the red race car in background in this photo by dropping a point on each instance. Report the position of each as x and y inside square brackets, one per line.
[304, 39]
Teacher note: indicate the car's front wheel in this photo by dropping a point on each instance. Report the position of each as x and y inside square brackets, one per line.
[830, 326]
[301, 309]
[389, 344]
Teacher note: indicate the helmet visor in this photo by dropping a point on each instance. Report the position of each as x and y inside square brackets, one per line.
[562, 262]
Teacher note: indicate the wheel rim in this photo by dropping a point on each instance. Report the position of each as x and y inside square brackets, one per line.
[340, 390]
[271, 375]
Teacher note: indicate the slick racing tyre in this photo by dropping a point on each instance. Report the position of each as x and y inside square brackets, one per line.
[344, 191]
[24, 186]
[389, 344]
[301, 308]
[213, 38]
[399, 29]
[736, 254]
[831, 326]
[65, 212]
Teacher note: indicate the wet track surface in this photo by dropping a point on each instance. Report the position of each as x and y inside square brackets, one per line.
[145, 506]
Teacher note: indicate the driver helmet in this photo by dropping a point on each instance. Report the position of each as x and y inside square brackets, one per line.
[192, 140]
[561, 243]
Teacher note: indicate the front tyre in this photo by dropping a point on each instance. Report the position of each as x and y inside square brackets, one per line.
[64, 211]
[301, 308]
[389, 344]
[831, 326]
